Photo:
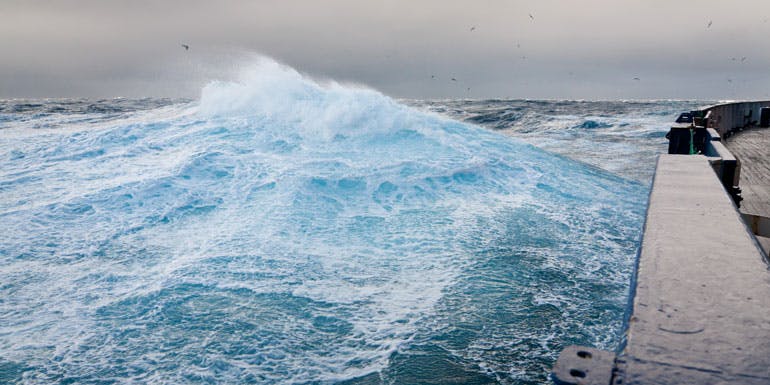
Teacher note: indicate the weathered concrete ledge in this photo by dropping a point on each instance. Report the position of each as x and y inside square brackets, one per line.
[700, 309]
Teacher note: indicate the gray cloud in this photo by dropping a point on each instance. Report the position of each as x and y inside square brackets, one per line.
[590, 49]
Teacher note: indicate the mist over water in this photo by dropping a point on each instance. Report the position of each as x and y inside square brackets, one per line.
[285, 230]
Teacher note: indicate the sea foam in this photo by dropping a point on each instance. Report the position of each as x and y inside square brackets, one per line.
[287, 230]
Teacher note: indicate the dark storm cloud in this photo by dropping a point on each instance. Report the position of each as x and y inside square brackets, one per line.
[590, 49]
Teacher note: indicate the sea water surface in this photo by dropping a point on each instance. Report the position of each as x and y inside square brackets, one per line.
[281, 230]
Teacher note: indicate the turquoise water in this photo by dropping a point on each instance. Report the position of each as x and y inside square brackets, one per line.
[283, 230]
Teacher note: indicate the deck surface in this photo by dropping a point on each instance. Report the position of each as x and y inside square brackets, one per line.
[701, 309]
[752, 148]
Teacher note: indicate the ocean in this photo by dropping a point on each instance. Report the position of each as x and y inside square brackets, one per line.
[285, 230]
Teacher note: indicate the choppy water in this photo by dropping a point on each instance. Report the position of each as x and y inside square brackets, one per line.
[278, 230]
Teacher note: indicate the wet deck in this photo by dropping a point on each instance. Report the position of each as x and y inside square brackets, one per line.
[752, 148]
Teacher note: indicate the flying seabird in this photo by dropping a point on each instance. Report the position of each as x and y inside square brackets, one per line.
[637, 79]
[709, 26]
[186, 47]
[473, 28]
[743, 59]
[454, 80]
[531, 17]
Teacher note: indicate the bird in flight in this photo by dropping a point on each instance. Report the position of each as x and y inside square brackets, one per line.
[432, 76]
[709, 26]
[186, 47]
[531, 17]
[743, 59]
[454, 80]
[637, 79]
[473, 28]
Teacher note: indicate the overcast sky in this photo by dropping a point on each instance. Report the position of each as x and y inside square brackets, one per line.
[587, 49]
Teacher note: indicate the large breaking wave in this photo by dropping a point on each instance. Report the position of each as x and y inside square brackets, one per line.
[285, 230]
